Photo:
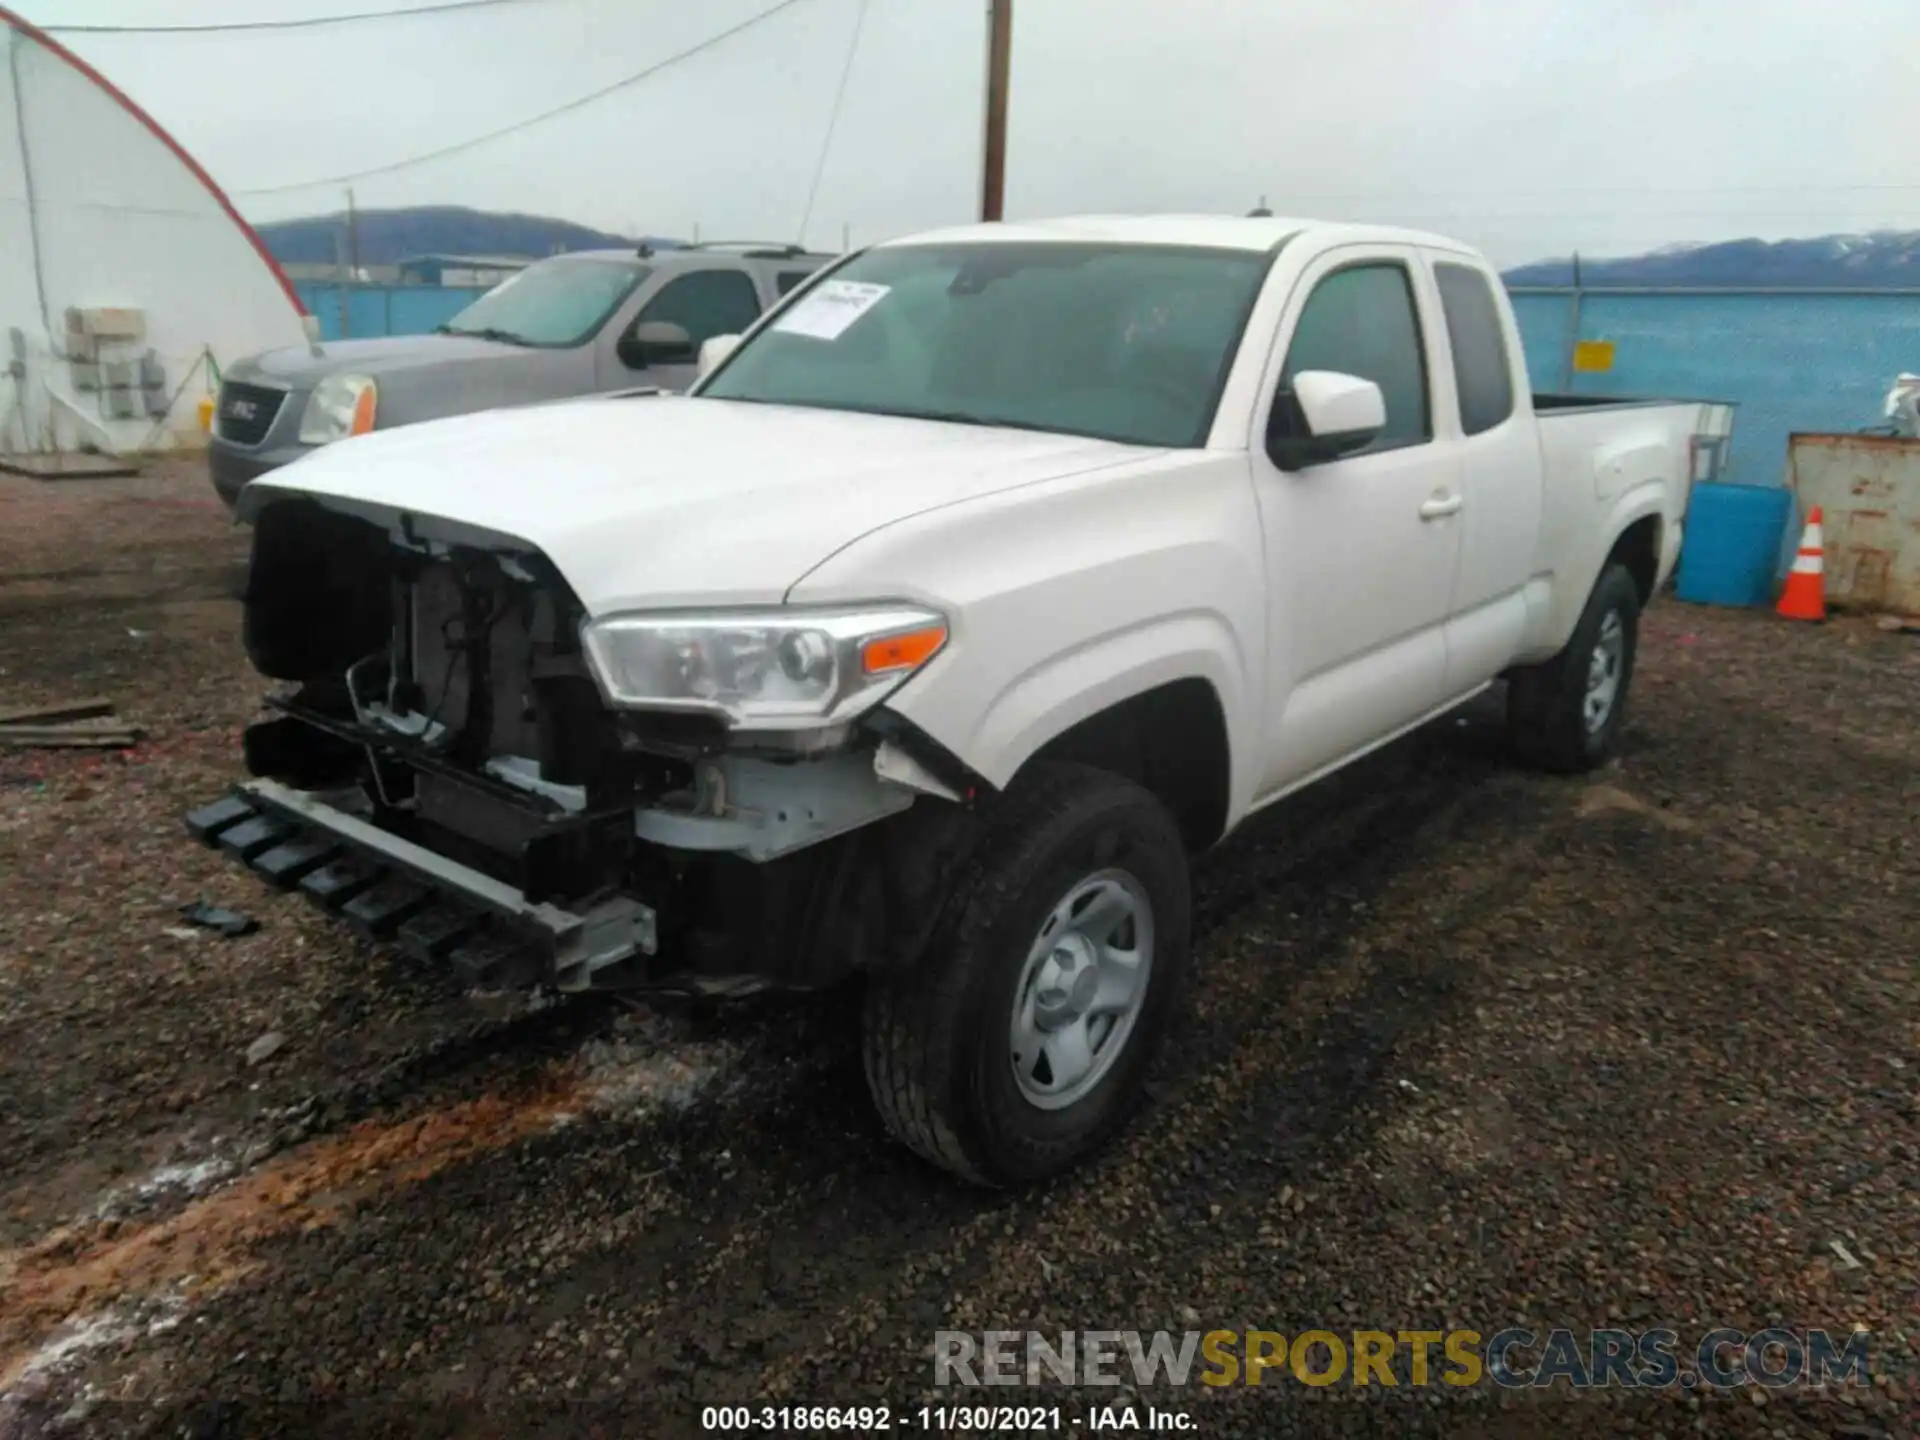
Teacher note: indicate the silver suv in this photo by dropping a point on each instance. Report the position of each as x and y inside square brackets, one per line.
[576, 324]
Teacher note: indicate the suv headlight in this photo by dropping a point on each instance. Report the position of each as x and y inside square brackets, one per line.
[341, 405]
[762, 670]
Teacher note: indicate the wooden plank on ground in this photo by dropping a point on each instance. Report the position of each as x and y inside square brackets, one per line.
[68, 465]
[87, 709]
[66, 737]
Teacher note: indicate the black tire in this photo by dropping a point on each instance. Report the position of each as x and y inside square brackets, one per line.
[1546, 703]
[936, 1045]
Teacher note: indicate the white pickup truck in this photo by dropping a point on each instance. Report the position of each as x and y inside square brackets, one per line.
[981, 584]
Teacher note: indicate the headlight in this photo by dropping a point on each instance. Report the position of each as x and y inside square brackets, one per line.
[765, 670]
[341, 405]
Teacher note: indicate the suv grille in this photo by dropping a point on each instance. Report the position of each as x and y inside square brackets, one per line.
[247, 411]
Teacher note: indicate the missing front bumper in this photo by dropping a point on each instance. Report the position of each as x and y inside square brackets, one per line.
[389, 888]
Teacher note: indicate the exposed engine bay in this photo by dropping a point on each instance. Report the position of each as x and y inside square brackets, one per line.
[443, 769]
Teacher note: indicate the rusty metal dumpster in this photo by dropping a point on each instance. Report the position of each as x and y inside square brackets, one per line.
[1869, 488]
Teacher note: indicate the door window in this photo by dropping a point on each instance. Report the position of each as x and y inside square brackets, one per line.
[1482, 366]
[1362, 321]
[786, 280]
[705, 303]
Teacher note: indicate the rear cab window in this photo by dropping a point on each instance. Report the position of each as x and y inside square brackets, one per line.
[1477, 340]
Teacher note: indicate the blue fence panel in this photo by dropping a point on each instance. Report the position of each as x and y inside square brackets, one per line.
[1544, 334]
[418, 308]
[376, 310]
[1791, 362]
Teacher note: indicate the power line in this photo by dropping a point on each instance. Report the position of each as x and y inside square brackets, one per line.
[575, 104]
[1367, 196]
[1464, 216]
[833, 120]
[308, 23]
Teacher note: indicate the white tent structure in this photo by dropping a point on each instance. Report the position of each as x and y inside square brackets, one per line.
[123, 267]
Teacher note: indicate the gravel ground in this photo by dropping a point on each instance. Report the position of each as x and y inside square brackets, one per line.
[1469, 1048]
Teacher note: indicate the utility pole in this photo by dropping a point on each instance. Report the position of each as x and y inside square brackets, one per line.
[1574, 297]
[340, 273]
[993, 188]
[353, 265]
[353, 235]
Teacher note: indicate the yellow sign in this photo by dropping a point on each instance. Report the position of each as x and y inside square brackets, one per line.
[1593, 357]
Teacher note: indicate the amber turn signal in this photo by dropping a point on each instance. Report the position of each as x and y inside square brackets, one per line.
[902, 652]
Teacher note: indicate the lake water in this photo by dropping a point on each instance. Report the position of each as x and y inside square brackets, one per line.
[1790, 362]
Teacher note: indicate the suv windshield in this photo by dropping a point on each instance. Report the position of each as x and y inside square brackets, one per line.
[557, 302]
[1121, 342]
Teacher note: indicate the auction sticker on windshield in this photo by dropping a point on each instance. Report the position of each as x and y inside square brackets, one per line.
[826, 311]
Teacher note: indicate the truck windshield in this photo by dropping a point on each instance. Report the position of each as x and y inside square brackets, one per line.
[1121, 342]
[558, 302]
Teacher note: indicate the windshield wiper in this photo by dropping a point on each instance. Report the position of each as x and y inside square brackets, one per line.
[951, 417]
[962, 417]
[485, 332]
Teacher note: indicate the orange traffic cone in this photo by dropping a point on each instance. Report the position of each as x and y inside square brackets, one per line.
[1805, 597]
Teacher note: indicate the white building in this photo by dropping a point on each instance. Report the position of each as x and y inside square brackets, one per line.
[122, 265]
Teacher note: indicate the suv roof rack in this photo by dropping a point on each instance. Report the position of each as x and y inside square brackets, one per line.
[754, 249]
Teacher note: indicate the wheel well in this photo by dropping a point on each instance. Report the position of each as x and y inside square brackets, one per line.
[1638, 548]
[1171, 740]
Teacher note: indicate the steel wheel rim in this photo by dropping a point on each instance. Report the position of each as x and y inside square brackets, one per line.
[1604, 667]
[1081, 989]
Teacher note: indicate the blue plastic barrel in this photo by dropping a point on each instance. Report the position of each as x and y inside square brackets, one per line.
[1733, 538]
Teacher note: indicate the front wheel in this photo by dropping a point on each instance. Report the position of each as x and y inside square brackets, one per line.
[1020, 1042]
[1566, 714]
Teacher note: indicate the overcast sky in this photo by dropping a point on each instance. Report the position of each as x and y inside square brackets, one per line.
[1530, 127]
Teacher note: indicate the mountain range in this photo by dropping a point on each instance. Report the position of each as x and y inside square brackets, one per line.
[386, 237]
[1884, 259]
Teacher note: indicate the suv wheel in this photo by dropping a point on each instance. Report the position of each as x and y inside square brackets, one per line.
[1020, 1041]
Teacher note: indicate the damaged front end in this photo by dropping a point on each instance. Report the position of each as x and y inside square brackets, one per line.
[448, 767]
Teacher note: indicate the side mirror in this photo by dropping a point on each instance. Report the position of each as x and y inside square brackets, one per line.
[655, 342]
[716, 349]
[1324, 416]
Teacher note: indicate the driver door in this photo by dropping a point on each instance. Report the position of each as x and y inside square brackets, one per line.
[1361, 550]
[702, 303]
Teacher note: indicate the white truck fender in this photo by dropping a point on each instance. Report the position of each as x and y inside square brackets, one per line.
[1609, 470]
[1638, 501]
[1620, 468]
[1050, 699]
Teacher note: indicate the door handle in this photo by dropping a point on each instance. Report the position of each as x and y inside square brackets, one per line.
[1441, 506]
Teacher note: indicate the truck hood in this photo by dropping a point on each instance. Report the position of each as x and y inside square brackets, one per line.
[299, 367]
[666, 501]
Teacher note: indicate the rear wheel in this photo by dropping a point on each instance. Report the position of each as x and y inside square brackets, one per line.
[1020, 1042]
[1567, 713]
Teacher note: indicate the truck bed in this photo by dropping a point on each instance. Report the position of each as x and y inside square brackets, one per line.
[1591, 444]
[1549, 404]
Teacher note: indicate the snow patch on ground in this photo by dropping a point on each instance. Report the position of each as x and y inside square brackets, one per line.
[67, 1348]
[75, 1340]
[652, 1064]
[194, 1178]
[185, 1180]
